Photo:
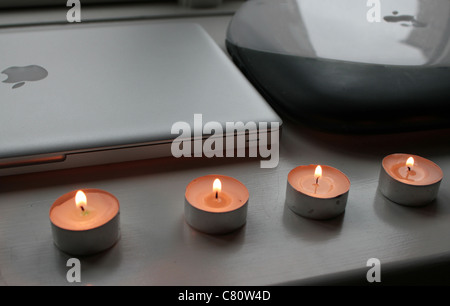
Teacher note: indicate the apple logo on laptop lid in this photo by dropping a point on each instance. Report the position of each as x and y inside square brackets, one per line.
[406, 20]
[20, 75]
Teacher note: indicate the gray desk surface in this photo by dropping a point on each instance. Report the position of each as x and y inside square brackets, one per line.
[276, 246]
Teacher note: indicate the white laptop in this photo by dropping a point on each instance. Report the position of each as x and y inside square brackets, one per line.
[80, 96]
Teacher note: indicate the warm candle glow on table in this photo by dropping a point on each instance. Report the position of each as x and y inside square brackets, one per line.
[87, 210]
[412, 169]
[85, 222]
[317, 191]
[409, 179]
[216, 203]
[318, 181]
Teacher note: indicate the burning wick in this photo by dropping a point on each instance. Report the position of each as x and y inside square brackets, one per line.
[217, 187]
[81, 200]
[318, 174]
[410, 163]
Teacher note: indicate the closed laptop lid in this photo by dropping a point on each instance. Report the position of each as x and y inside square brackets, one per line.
[84, 87]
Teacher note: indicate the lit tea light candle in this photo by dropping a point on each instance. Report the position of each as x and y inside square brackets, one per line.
[216, 204]
[85, 222]
[409, 180]
[317, 192]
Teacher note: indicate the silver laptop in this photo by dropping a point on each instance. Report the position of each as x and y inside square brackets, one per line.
[81, 96]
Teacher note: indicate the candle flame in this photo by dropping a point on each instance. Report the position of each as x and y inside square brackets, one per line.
[81, 200]
[217, 185]
[318, 172]
[410, 162]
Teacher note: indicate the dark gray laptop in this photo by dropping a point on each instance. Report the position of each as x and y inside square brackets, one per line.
[81, 96]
